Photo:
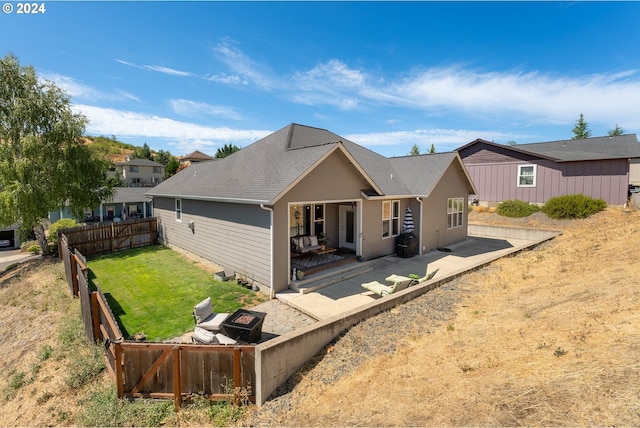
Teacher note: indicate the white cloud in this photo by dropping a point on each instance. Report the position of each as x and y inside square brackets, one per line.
[128, 124]
[244, 70]
[189, 108]
[79, 90]
[157, 68]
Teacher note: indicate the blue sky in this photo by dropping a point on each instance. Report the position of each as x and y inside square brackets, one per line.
[182, 76]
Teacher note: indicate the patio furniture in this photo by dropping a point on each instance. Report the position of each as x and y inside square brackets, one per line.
[427, 277]
[200, 335]
[384, 290]
[304, 244]
[244, 325]
[205, 317]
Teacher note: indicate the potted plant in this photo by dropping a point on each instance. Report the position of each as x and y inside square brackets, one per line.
[300, 275]
[323, 240]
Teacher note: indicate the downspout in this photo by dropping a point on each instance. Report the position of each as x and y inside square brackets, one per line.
[421, 229]
[272, 267]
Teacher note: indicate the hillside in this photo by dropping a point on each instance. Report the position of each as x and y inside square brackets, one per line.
[548, 337]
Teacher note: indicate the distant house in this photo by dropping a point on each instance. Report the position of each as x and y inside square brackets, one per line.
[139, 172]
[127, 203]
[245, 211]
[601, 167]
[195, 157]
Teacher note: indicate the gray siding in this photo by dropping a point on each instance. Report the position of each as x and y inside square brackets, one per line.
[234, 236]
[495, 175]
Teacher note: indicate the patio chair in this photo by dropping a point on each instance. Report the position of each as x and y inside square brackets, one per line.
[200, 335]
[384, 290]
[427, 277]
[205, 317]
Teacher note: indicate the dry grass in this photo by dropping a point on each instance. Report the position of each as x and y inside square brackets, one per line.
[546, 338]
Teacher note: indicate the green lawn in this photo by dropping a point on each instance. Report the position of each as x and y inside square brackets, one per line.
[153, 290]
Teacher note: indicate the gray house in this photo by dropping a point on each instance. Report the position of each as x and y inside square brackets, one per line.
[243, 211]
[602, 167]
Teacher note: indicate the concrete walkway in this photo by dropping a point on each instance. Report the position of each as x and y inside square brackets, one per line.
[10, 257]
[348, 295]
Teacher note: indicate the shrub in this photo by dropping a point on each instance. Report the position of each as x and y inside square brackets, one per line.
[573, 206]
[516, 208]
[30, 247]
[63, 223]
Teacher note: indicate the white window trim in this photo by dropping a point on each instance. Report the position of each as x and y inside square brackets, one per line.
[457, 214]
[535, 174]
[178, 210]
[390, 219]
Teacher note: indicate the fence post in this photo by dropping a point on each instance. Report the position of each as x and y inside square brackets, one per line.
[118, 369]
[237, 374]
[113, 231]
[95, 316]
[177, 379]
[74, 274]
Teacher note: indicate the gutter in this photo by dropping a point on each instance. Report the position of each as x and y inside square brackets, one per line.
[420, 236]
[271, 267]
[209, 198]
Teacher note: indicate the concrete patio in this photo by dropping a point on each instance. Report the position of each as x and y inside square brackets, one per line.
[485, 244]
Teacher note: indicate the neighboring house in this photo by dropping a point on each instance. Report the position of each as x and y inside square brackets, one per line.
[131, 199]
[242, 211]
[139, 172]
[195, 157]
[601, 167]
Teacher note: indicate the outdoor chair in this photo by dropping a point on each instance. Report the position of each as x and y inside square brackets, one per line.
[200, 335]
[384, 290]
[205, 317]
[427, 277]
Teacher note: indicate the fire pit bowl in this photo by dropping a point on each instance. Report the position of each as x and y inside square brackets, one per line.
[244, 325]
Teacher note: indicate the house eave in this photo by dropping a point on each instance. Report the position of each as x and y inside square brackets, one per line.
[212, 199]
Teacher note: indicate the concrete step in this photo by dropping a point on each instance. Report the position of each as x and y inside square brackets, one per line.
[330, 276]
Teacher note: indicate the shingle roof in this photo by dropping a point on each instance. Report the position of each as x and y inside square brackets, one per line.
[196, 156]
[143, 162]
[262, 171]
[128, 194]
[622, 146]
[596, 148]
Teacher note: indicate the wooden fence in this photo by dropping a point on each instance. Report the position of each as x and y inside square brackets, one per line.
[158, 370]
[104, 238]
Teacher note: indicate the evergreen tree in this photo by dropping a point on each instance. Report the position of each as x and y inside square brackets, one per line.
[581, 130]
[415, 150]
[226, 150]
[618, 130]
[432, 149]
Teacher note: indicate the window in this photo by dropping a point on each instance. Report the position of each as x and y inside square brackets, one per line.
[455, 211]
[390, 218]
[179, 210]
[133, 168]
[526, 176]
[156, 170]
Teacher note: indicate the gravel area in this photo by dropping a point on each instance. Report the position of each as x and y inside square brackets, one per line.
[379, 335]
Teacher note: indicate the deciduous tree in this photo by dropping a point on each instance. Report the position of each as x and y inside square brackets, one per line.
[44, 164]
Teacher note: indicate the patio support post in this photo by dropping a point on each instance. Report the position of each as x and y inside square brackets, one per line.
[270, 209]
